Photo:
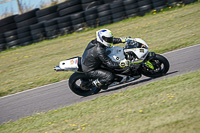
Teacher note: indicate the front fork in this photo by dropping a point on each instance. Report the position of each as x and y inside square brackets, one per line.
[147, 62]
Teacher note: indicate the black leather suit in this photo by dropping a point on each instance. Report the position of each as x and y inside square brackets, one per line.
[93, 57]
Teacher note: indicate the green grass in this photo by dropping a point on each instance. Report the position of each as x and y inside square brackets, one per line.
[32, 66]
[169, 105]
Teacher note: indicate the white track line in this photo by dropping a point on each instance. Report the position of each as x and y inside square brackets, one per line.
[181, 49]
[32, 89]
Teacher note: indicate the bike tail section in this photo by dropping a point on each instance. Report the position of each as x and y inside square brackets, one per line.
[72, 64]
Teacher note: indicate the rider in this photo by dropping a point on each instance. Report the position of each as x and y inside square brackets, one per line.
[95, 55]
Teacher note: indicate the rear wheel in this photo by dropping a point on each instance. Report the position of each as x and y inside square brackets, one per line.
[160, 67]
[81, 85]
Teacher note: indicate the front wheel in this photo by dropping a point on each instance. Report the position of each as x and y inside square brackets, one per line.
[160, 67]
[80, 84]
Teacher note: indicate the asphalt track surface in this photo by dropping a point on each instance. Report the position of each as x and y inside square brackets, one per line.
[58, 95]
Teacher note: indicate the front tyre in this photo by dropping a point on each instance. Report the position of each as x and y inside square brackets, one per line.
[80, 84]
[160, 67]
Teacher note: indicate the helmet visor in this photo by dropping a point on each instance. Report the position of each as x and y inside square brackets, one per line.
[108, 39]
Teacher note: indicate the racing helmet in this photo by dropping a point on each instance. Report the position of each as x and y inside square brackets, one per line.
[105, 37]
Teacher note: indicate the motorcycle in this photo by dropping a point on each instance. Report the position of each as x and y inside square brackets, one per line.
[142, 62]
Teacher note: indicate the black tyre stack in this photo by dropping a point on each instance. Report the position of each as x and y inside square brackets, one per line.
[24, 36]
[91, 17]
[11, 38]
[107, 1]
[69, 7]
[172, 3]
[23, 26]
[117, 10]
[47, 14]
[77, 20]
[8, 33]
[26, 19]
[145, 6]
[104, 14]
[64, 25]
[2, 42]
[131, 8]
[38, 32]
[189, 1]
[87, 4]
[72, 15]
[51, 29]
[159, 4]
[74, 8]
[8, 24]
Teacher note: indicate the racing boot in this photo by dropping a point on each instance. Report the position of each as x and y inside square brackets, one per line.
[99, 84]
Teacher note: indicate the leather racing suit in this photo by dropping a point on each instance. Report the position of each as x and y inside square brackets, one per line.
[92, 59]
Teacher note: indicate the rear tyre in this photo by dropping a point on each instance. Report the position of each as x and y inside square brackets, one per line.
[76, 82]
[161, 67]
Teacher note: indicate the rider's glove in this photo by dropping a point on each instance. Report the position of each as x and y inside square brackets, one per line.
[123, 64]
[124, 39]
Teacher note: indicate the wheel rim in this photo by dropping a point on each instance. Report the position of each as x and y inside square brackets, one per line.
[78, 85]
[159, 68]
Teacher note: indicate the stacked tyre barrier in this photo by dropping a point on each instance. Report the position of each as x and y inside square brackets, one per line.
[26, 19]
[144, 6]
[69, 7]
[7, 24]
[47, 14]
[131, 8]
[117, 10]
[2, 43]
[71, 16]
[189, 1]
[86, 4]
[24, 36]
[8, 32]
[159, 4]
[51, 28]
[64, 25]
[23, 23]
[77, 20]
[38, 32]
[91, 17]
[104, 15]
[107, 1]
[11, 38]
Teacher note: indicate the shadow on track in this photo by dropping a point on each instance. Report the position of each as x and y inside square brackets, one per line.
[133, 83]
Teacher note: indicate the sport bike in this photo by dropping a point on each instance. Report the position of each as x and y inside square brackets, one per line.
[136, 53]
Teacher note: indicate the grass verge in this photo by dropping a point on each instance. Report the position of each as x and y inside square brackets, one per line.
[32, 66]
[169, 105]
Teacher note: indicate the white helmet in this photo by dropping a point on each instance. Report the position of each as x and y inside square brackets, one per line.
[105, 37]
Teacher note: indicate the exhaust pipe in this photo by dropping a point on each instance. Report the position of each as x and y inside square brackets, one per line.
[57, 68]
